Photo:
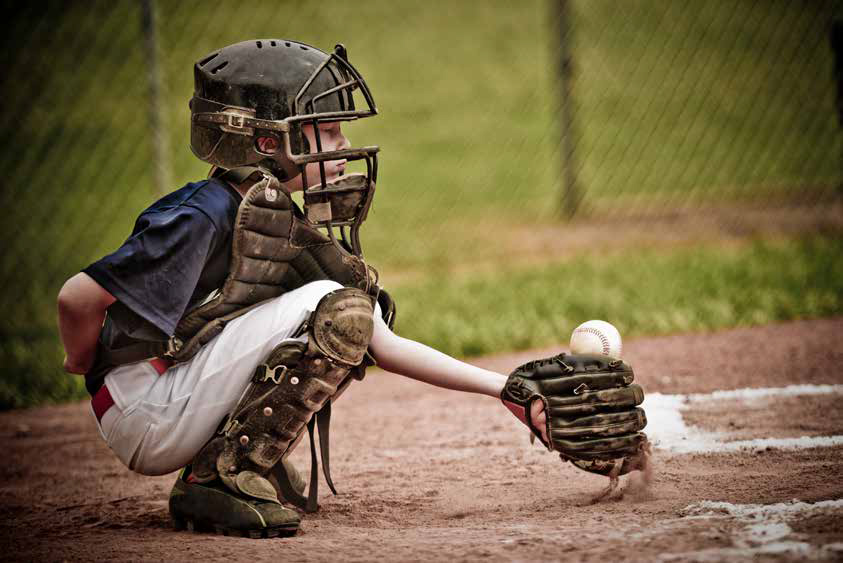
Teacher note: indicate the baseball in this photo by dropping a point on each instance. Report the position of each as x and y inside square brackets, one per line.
[596, 337]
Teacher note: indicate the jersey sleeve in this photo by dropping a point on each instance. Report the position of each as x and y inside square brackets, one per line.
[155, 272]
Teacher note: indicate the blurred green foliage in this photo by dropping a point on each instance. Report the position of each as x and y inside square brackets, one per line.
[677, 104]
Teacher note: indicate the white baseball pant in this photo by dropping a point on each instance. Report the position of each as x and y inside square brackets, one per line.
[159, 422]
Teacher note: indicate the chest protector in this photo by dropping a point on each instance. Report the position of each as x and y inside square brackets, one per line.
[274, 250]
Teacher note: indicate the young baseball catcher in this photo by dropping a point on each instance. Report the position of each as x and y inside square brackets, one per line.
[231, 319]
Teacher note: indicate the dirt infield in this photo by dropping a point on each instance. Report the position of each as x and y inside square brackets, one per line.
[426, 474]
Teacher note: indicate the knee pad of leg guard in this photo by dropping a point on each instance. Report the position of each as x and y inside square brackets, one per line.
[342, 325]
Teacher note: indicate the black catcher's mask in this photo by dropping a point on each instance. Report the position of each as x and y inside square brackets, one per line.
[250, 100]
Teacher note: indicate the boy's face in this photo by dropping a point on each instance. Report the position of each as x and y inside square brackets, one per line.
[332, 139]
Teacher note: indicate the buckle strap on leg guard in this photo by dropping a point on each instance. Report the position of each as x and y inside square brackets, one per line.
[273, 374]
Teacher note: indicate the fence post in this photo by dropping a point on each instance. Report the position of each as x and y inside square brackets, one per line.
[837, 49]
[157, 115]
[571, 196]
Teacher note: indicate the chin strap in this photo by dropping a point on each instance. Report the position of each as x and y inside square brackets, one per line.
[234, 175]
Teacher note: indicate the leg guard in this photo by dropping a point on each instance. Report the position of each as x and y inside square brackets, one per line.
[296, 382]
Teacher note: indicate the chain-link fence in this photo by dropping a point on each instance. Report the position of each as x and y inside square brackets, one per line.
[495, 116]
[678, 104]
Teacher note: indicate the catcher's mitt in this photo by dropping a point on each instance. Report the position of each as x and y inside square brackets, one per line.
[590, 405]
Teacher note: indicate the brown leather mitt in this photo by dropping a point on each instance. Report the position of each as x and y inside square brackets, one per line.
[591, 407]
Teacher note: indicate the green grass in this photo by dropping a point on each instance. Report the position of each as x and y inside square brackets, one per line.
[675, 104]
[642, 293]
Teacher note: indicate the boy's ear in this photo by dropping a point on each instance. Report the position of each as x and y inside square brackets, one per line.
[267, 145]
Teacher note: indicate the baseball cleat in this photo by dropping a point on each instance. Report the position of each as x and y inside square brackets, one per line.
[213, 508]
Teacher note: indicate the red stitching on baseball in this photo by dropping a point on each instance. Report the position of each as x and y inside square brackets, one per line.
[603, 340]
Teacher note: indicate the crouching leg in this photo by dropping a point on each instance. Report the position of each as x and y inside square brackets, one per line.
[228, 488]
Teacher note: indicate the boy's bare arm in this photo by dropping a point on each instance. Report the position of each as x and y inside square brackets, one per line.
[417, 361]
[81, 306]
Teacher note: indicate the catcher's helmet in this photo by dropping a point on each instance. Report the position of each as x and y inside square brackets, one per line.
[249, 102]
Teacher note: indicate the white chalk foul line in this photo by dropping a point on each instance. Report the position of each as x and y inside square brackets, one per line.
[781, 443]
[762, 529]
[762, 511]
[764, 393]
[668, 431]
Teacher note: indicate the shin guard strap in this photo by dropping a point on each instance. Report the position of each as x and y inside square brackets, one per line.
[319, 426]
[323, 421]
[313, 489]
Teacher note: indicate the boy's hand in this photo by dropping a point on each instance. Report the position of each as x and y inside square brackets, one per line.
[539, 418]
[75, 366]
[82, 303]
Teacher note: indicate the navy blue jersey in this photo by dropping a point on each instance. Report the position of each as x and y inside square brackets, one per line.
[178, 253]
